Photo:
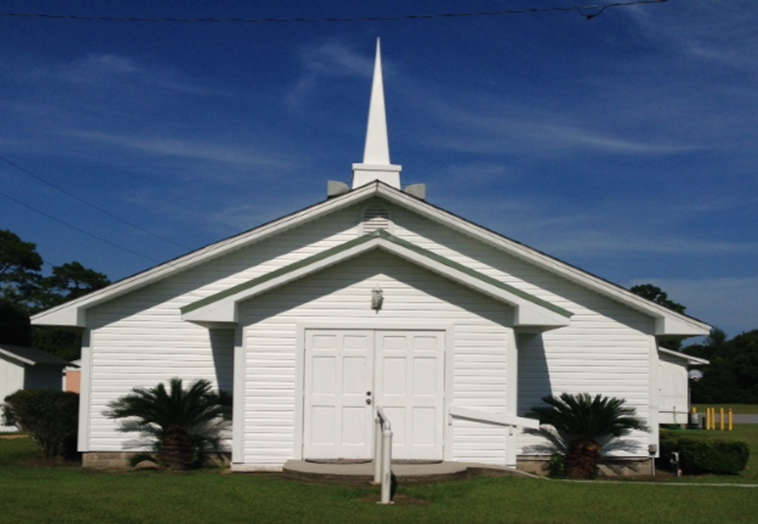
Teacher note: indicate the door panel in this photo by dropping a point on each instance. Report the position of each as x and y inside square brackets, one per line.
[338, 371]
[410, 389]
[401, 371]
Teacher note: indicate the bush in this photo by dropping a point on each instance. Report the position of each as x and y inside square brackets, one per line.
[50, 417]
[706, 455]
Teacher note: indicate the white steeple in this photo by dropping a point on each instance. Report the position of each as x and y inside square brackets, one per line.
[376, 155]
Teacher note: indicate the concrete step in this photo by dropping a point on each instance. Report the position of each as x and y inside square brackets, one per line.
[360, 473]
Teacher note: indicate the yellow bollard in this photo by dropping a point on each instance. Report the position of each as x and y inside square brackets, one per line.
[731, 419]
[721, 419]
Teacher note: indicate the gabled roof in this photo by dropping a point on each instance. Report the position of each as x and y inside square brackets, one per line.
[684, 357]
[30, 356]
[72, 314]
[531, 311]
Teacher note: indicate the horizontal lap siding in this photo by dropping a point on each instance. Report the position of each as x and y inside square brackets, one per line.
[139, 339]
[606, 349]
[343, 293]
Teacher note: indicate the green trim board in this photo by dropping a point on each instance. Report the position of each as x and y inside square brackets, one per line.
[381, 235]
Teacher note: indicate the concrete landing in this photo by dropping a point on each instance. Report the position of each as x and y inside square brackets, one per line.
[407, 473]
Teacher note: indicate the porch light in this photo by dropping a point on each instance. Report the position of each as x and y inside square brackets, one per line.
[377, 298]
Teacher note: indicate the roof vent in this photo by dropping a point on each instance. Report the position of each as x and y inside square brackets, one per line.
[375, 218]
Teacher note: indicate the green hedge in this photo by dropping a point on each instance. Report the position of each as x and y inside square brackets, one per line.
[50, 417]
[706, 455]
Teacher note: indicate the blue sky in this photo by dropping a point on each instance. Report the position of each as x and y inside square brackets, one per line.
[626, 145]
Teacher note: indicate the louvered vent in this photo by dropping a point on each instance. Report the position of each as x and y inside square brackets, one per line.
[375, 218]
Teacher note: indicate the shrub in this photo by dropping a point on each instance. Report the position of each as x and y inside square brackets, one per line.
[50, 417]
[706, 455]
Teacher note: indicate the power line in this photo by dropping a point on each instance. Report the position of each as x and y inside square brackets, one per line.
[51, 217]
[588, 11]
[90, 204]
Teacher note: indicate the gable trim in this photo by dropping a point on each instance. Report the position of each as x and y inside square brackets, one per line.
[667, 322]
[689, 359]
[530, 310]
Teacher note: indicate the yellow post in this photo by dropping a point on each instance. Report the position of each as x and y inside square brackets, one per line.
[711, 414]
[721, 419]
[731, 419]
[707, 418]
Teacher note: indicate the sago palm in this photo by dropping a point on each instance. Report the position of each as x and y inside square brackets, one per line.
[581, 422]
[183, 421]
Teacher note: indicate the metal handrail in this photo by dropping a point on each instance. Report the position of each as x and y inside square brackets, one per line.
[383, 454]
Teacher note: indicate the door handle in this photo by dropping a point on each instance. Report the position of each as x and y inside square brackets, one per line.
[368, 401]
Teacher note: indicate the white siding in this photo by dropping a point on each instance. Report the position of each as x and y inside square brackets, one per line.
[414, 299]
[673, 401]
[11, 380]
[139, 339]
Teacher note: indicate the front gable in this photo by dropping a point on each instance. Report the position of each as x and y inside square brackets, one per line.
[531, 312]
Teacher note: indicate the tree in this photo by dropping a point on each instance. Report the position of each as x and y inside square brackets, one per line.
[19, 268]
[15, 328]
[183, 422]
[68, 282]
[580, 424]
[24, 290]
[732, 375]
[660, 297]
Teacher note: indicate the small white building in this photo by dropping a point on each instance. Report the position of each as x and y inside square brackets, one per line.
[27, 368]
[674, 385]
[372, 297]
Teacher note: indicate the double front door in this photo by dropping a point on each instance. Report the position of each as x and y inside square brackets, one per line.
[349, 372]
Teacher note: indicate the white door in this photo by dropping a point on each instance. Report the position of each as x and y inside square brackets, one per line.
[348, 372]
[410, 388]
[338, 376]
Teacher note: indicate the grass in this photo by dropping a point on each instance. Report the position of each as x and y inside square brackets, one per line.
[35, 491]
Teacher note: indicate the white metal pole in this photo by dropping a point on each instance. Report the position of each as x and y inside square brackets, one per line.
[377, 449]
[386, 466]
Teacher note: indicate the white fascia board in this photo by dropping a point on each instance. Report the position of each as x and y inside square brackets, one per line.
[527, 313]
[225, 310]
[667, 322]
[73, 313]
[676, 325]
[689, 359]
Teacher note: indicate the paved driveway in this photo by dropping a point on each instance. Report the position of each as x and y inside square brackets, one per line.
[745, 419]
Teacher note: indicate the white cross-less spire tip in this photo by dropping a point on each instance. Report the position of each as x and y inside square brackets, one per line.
[376, 155]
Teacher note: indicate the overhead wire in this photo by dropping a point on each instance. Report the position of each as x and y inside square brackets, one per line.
[80, 230]
[587, 11]
[87, 203]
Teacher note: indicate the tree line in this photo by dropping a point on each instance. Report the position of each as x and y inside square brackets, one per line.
[26, 290]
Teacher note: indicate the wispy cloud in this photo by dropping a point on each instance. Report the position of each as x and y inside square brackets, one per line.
[327, 61]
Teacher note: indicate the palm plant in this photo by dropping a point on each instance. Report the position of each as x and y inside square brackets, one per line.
[580, 423]
[184, 422]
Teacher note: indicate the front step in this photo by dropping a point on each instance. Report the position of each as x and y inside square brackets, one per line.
[362, 473]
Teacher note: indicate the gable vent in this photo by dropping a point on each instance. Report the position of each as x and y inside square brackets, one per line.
[375, 218]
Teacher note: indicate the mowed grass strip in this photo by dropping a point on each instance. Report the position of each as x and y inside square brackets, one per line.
[32, 491]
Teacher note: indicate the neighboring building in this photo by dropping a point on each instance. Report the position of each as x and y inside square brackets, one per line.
[674, 385]
[27, 368]
[72, 376]
[373, 297]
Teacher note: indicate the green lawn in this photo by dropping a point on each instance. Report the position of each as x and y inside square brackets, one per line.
[32, 491]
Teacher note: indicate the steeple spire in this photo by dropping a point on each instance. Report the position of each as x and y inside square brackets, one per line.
[376, 155]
